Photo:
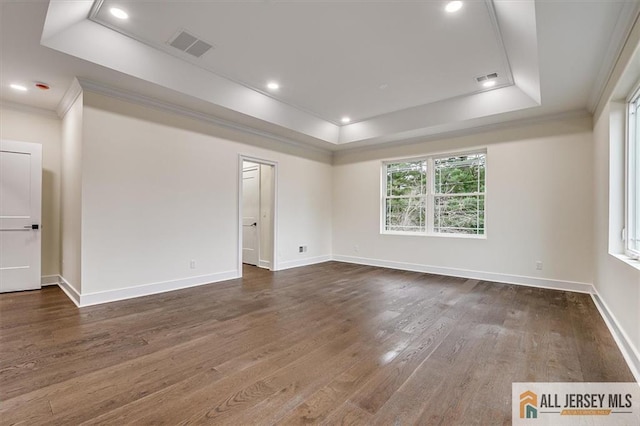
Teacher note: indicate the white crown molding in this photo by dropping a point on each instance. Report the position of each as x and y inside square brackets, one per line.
[69, 98]
[500, 125]
[625, 23]
[14, 106]
[128, 96]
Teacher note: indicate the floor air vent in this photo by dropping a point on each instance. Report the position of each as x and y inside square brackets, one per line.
[190, 44]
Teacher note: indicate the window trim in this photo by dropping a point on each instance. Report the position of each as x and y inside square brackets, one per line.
[633, 103]
[430, 195]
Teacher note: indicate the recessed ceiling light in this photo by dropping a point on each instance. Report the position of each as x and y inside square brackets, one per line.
[18, 87]
[453, 6]
[345, 120]
[273, 85]
[489, 83]
[119, 13]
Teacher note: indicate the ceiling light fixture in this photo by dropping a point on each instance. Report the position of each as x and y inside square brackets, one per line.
[119, 13]
[453, 6]
[489, 83]
[345, 120]
[273, 86]
[18, 87]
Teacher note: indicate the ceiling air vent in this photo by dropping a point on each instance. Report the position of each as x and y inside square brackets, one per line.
[491, 76]
[190, 44]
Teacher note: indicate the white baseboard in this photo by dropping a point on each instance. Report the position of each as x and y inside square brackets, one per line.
[264, 264]
[630, 353]
[478, 275]
[69, 290]
[303, 262]
[88, 299]
[46, 280]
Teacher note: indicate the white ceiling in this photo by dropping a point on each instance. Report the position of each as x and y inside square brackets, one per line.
[330, 58]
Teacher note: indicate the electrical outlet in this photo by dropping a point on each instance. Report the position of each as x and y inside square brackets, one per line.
[539, 265]
[302, 249]
[192, 264]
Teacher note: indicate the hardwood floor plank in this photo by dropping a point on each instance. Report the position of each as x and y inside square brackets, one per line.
[349, 415]
[331, 343]
[319, 405]
[218, 398]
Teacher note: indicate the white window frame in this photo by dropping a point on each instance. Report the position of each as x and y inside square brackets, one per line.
[429, 196]
[632, 191]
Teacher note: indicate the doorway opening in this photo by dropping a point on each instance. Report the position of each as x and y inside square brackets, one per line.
[257, 213]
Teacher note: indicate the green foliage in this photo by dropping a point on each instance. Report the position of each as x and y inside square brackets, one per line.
[409, 182]
[460, 175]
[406, 179]
[459, 214]
[406, 214]
[458, 183]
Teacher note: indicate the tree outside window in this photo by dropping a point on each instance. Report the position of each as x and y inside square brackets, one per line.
[435, 195]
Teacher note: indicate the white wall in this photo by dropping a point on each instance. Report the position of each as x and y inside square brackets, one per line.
[71, 195]
[539, 207]
[159, 190]
[43, 127]
[617, 282]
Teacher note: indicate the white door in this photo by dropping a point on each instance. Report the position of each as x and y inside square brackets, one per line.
[250, 212]
[20, 203]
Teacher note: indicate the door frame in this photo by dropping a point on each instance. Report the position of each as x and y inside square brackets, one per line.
[274, 213]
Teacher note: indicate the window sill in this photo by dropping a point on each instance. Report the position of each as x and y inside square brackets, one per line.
[437, 235]
[626, 259]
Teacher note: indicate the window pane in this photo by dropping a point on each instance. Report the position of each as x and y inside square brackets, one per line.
[405, 214]
[407, 179]
[460, 174]
[459, 214]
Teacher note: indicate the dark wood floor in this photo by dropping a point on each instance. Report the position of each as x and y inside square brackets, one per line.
[331, 343]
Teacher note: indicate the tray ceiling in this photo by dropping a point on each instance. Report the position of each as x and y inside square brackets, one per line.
[400, 70]
[331, 59]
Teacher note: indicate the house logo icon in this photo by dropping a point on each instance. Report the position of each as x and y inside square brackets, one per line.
[528, 405]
